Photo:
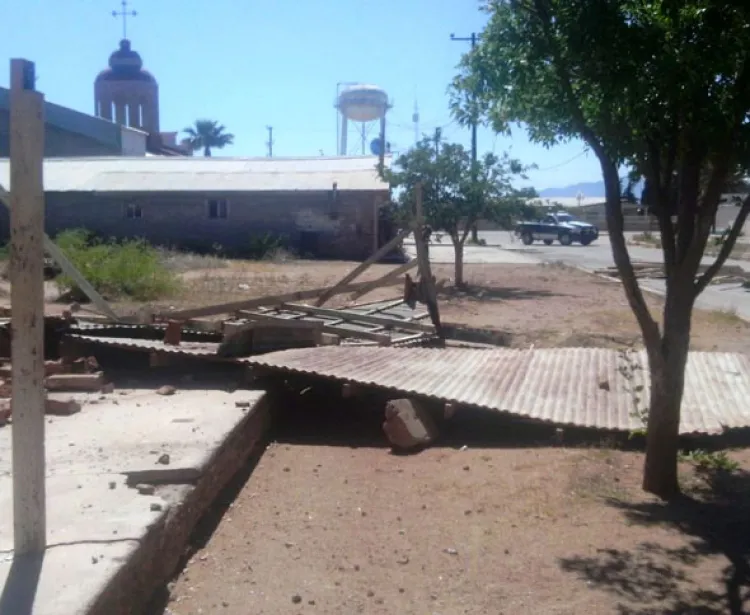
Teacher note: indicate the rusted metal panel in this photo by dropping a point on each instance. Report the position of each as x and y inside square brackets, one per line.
[568, 386]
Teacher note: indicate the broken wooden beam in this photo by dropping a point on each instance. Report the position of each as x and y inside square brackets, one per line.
[248, 304]
[389, 278]
[388, 322]
[335, 289]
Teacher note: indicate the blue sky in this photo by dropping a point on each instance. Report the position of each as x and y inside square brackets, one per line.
[253, 63]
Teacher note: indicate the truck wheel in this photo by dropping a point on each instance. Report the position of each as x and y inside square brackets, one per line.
[527, 239]
[547, 242]
[566, 239]
[585, 241]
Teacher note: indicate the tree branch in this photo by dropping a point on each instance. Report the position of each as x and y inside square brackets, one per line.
[726, 248]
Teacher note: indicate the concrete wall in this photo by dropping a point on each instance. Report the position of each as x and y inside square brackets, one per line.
[58, 143]
[309, 221]
[133, 142]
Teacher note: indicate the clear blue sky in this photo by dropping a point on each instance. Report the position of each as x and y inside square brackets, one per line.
[253, 63]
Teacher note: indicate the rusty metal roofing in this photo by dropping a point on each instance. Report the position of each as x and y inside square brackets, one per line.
[584, 387]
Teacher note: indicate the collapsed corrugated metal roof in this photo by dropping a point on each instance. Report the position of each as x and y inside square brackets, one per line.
[197, 174]
[584, 387]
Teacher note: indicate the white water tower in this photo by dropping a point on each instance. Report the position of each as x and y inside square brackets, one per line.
[364, 106]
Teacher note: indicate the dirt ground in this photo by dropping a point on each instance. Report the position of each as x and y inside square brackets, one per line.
[500, 517]
[331, 522]
[548, 305]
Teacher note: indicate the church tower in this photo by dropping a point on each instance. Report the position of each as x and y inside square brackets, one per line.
[127, 94]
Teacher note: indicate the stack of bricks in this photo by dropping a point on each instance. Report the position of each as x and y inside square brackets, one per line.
[64, 375]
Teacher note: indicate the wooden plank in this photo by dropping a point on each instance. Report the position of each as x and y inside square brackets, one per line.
[335, 289]
[27, 304]
[381, 338]
[69, 269]
[388, 278]
[385, 321]
[386, 306]
[248, 304]
[425, 271]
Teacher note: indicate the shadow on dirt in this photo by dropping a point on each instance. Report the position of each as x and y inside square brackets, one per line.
[475, 292]
[655, 579]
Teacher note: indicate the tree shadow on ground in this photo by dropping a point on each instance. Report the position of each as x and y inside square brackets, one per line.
[653, 579]
[478, 292]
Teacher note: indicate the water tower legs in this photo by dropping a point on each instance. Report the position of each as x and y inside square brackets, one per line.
[344, 126]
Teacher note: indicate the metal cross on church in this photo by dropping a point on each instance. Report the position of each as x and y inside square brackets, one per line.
[124, 13]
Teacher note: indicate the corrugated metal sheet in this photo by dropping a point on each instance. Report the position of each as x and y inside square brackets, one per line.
[563, 386]
[199, 174]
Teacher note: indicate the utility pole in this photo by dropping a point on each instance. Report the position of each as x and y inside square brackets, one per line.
[27, 306]
[473, 40]
[436, 139]
[269, 143]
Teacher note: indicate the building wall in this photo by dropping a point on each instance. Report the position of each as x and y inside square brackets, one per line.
[133, 142]
[58, 143]
[309, 222]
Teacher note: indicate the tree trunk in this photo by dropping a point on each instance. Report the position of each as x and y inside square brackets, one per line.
[474, 234]
[667, 369]
[207, 151]
[458, 248]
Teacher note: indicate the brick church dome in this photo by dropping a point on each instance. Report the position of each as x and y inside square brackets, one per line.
[125, 65]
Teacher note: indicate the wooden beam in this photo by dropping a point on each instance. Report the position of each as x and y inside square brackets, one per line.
[27, 304]
[248, 304]
[361, 268]
[423, 258]
[385, 321]
[69, 269]
[388, 278]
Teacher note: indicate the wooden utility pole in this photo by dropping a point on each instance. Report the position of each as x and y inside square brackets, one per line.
[423, 260]
[27, 309]
[473, 40]
[269, 143]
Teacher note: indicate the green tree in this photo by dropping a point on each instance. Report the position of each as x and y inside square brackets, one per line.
[660, 87]
[457, 192]
[207, 135]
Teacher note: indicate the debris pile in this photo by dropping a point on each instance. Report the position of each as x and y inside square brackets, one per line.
[65, 375]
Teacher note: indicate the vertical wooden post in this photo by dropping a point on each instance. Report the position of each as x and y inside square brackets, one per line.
[423, 259]
[375, 224]
[27, 309]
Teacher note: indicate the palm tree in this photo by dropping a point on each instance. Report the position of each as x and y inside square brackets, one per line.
[206, 134]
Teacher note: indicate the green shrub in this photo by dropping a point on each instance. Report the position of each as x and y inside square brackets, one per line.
[265, 246]
[131, 268]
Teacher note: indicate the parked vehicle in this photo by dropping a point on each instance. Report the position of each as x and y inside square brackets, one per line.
[560, 226]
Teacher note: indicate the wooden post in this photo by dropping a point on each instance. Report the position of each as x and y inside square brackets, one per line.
[423, 258]
[27, 305]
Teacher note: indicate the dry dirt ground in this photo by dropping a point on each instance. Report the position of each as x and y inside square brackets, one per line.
[498, 518]
[546, 305]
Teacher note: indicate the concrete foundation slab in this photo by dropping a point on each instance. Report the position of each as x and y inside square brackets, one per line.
[111, 544]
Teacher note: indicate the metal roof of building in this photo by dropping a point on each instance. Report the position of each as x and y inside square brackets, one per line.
[188, 174]
[70, 120]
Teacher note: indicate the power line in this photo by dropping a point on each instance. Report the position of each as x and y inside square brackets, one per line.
[562, 164]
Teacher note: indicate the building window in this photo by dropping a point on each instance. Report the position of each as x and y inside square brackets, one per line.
[217, 209]
[133, 211]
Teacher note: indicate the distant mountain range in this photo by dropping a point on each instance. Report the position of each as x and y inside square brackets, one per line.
[587, 189]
